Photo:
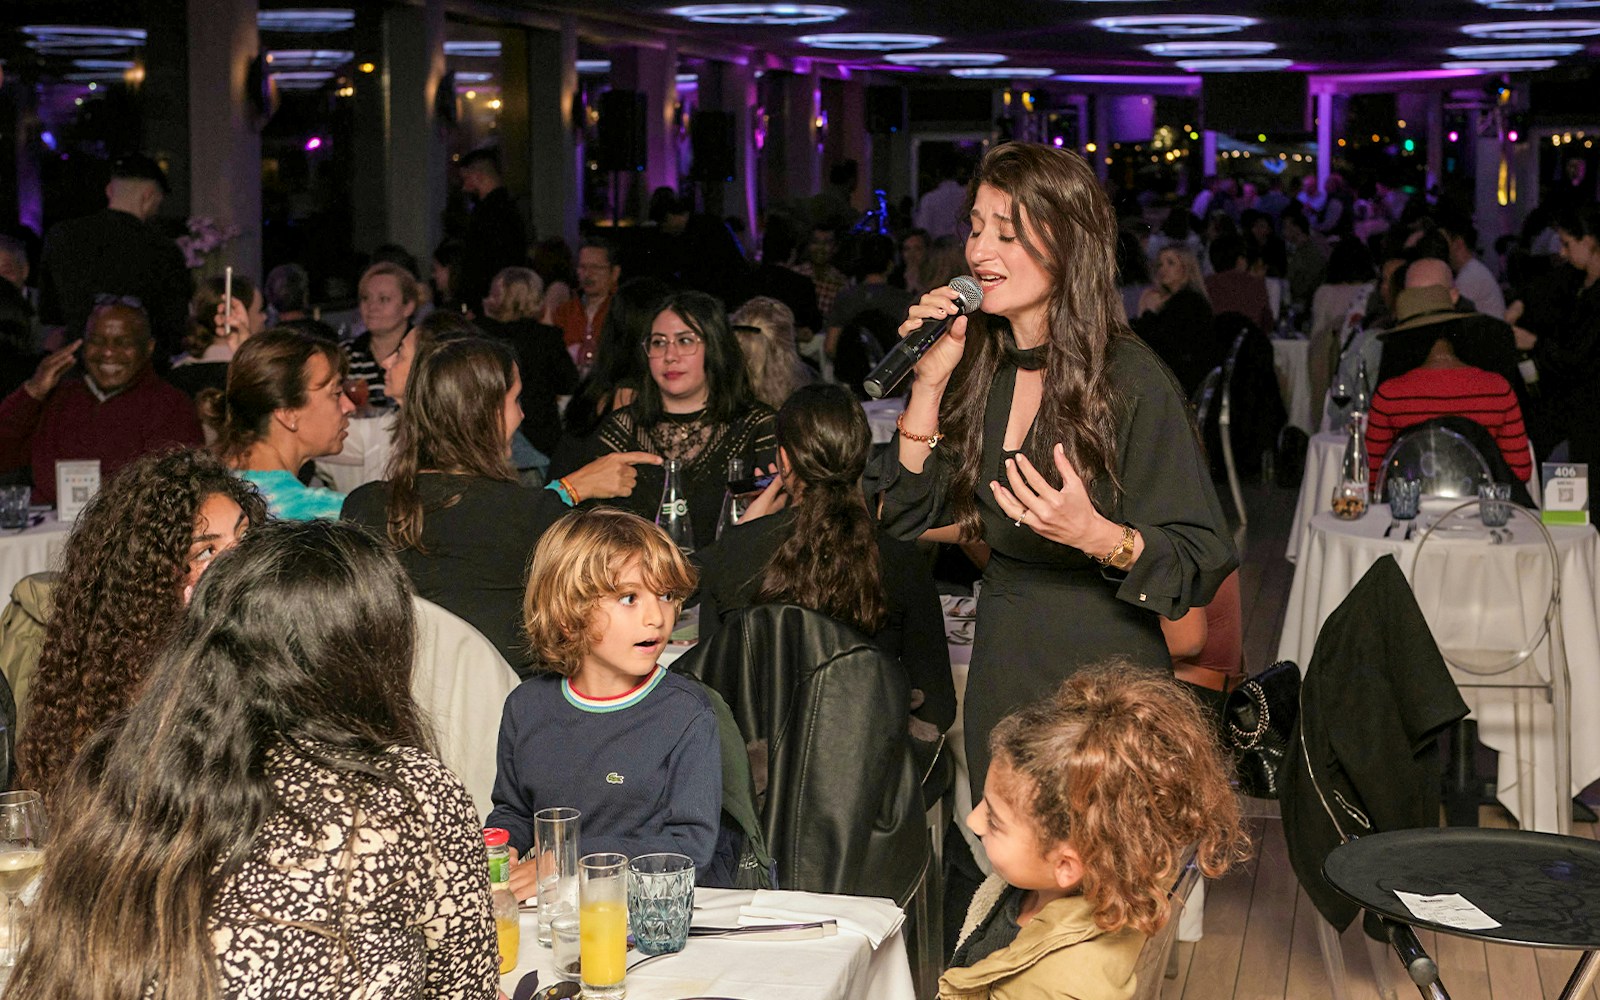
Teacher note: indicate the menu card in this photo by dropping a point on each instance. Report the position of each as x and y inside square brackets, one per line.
[76, 484]
[1566, 493]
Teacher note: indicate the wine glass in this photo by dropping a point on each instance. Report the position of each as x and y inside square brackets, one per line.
[1342, 391]
[22, 837]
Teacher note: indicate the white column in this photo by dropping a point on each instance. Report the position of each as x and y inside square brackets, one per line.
[224, 146]
[1325, 145]
[554, 154]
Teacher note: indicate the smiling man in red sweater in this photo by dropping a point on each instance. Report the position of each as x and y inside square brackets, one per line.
[120, 409]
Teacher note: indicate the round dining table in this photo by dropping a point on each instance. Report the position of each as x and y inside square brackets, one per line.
[32, 550]
[1478, 591]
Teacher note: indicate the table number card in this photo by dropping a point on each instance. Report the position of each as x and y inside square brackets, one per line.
[76, 484]
[1566, 493]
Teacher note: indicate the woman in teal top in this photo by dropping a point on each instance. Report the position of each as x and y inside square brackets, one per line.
[285, 405]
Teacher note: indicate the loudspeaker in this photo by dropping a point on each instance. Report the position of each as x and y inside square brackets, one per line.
[622, 132]
[711, 143]
[886, 109]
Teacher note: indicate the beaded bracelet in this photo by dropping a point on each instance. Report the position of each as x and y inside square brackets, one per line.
[931, 440]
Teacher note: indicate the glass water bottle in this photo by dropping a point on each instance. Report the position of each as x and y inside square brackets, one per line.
[673, 517]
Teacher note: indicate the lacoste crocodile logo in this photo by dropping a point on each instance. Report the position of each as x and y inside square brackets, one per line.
[613, 778]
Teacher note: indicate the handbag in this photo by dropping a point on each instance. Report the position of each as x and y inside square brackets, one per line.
[1258, 719]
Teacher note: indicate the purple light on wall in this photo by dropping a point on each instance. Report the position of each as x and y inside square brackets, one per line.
[1512, 135]
[1455, 136]
[49, 140]
[313, 144]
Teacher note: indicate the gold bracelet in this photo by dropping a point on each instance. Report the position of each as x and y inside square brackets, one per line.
[931, 440]
[567, 485]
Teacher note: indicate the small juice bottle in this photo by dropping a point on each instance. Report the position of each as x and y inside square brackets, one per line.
[507, 925]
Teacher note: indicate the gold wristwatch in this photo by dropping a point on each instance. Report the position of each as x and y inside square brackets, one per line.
[1121, 557]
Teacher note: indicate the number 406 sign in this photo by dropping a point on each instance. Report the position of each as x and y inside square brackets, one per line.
[1566, 493]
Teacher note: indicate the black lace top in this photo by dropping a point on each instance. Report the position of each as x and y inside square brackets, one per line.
[702, 446]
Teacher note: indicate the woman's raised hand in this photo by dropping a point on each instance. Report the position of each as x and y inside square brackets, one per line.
[1064, 515]
[232, 322]
[611, 475]
[771, 500]
[941, 359]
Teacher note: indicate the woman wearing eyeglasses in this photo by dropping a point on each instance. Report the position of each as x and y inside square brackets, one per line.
[696, 407]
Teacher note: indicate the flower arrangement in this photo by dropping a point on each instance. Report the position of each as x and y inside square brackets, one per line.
[204, 238]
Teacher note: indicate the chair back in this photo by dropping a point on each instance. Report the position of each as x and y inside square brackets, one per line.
[1151, 966]
[843, 809]
[1205, 397]
[461, 681]
[1443, 460]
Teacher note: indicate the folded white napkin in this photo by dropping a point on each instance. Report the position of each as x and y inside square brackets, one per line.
[875, 919]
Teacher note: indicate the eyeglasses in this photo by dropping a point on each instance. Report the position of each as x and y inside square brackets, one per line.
[686, 343]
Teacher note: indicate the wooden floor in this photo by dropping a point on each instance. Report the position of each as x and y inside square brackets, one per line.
[1260, 938]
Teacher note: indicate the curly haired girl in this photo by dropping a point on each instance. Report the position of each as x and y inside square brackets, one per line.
[1092, 799]
[130, 564]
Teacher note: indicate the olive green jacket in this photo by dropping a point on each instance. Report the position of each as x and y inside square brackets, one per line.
[22, 634]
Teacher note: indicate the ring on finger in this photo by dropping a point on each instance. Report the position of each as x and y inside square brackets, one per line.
[1020, 519]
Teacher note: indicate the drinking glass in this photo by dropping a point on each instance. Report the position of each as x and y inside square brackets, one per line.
[603, 925]
[1494, 504]
[22, 837]
[1342, 391]
[1405, 498]
[660, 901]
[14, 507]
[555, 841]
[566, 946]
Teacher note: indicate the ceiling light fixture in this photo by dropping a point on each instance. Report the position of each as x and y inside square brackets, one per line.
[945, 60]
[1539, 6]
[760, 13]
[1002, 72]
[472, 49]
[1501, 65]
[1233, 65]
[1175, 24]
[1552, 50]
[593, 67]
[82, 38]
[287, 59]
[1532, 30]
[302, 79]
[869, 41]
[1186, 82]
[306, 21]
[463, 76]
[1209, 50]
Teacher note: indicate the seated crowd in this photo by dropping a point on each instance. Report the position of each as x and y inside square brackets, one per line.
[215, 694]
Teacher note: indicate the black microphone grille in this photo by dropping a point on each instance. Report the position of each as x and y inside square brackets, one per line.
[968, 291]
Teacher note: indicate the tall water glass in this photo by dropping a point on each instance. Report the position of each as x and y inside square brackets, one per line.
[603, 925]
[22, 837]
[555, 841]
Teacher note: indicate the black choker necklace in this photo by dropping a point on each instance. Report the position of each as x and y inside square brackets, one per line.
[1027, 359]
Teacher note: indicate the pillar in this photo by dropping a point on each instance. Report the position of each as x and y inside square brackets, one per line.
[225, 148]
[1325, 145]
[164, 98]
[731, 87]
[1100, 133]
[554, 156]
[654, 73]
[794, 163]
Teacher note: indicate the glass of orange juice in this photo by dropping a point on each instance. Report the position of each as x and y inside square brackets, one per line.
[603, 925]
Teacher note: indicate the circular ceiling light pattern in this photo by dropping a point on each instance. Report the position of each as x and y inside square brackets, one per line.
[306, 21]
[593, 67]
[1501, 65]
[302, 79]
[1511, 50]
[760, 13]
[472, 50]
[473, 76]
[288, 59]
[945, 60]
[1175, 24]
[1211, 50]
[869, 41]
[1538, 6]
[85, 39]
[1532, 30]
[1002, 72]
[1233, 65]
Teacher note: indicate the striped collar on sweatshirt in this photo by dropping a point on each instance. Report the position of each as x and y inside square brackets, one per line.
[617, 703]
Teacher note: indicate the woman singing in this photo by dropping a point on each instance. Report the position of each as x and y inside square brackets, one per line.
[1044, 427]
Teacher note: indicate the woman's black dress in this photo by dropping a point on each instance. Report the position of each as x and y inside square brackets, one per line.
[1045, 609]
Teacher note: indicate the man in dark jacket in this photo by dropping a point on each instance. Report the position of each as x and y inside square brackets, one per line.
[116, 252]
[495, 237]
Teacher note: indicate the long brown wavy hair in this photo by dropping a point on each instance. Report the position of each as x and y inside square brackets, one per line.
[829, 559]
[452, 421]
[1065, 222]
[298, 642]
[1122, 764]
[118, 600]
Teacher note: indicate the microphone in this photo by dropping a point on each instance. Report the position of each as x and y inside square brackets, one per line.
[903, 357]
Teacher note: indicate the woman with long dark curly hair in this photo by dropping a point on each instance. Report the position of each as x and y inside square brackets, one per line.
[268, 819]
[824, 551]
[1042, 425]
[134, 556]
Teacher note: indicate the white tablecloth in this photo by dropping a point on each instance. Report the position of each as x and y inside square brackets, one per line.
[881, 415]
[1476, 579]
[1294, 380]
[1323, 455]
[365, 455]
[32, 551]
[841, 967]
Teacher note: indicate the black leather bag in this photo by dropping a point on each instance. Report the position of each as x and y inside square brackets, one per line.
[1258, 721]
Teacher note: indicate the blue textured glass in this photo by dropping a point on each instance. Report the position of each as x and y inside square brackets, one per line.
[660, 901]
